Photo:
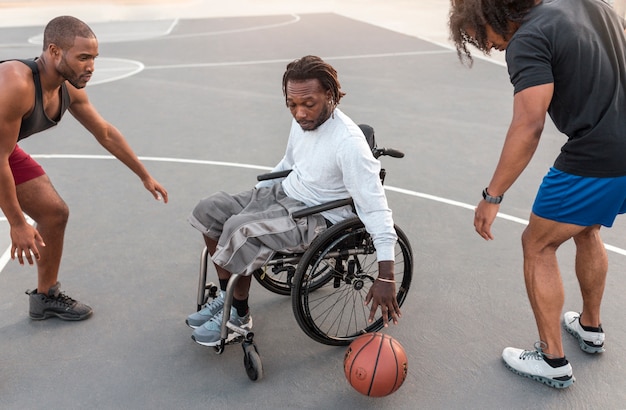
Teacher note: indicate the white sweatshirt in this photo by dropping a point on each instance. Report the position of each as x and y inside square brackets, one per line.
[333, 162]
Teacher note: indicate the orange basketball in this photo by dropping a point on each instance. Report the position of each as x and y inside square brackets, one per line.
[375, 364]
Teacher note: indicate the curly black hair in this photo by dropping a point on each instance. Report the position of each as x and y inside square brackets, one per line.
[475, 15]
[313, 67]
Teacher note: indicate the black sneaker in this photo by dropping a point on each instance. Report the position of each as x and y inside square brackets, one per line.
[56, 303]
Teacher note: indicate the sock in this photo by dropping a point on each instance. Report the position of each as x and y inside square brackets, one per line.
[590, 328]
[223, 283]
[241, 306]
[562, 361]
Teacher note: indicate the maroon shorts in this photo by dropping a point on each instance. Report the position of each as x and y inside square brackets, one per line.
[24, 168]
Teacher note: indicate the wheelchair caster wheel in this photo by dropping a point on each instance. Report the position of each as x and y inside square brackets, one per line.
[252, 361]
[210, 291]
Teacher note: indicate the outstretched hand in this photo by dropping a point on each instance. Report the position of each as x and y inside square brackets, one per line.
[155, 189]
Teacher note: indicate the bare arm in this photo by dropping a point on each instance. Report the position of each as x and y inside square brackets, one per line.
[529, 115]
[112, 140]
[16, 100]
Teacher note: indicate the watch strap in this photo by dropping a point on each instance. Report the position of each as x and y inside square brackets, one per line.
[492, 199]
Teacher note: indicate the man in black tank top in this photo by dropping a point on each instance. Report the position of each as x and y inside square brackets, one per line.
[566, 58]
[35, 95]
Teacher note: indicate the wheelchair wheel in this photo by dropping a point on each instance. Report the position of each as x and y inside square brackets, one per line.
[278, 281]
[334, 277]
[277, 276]
[252, 361]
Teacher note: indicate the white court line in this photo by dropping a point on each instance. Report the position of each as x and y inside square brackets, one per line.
[6, 256]
[122, 69]
[288, 60]
[295, 18]
[106, 35]
[4, 259]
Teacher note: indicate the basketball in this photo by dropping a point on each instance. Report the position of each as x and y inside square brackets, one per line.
[375, 364]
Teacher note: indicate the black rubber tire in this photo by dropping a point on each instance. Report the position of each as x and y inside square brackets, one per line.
[328, 300]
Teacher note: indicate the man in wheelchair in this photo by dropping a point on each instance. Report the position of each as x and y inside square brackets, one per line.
[330, 159]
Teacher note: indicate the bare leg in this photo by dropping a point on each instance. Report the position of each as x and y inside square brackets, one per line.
[591, 270]
[42, 203]
[242, 288]
[540, 241]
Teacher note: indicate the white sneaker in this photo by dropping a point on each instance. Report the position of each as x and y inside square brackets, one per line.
[590, 342]
[530, 363]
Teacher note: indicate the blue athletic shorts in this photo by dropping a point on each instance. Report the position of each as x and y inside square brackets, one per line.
[582, 201]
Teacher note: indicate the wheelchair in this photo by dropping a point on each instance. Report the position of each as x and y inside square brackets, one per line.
[327, 283]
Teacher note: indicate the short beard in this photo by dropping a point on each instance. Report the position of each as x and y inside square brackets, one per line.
[69, 75]
[324, 116]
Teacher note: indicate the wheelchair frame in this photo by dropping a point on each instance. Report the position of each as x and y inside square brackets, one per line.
[338, 267]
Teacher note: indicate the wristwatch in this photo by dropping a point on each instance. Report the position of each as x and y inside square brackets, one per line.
[491, 199]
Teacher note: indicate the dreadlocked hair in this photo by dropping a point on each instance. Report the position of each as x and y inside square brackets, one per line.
[475, 15]
[313, 67]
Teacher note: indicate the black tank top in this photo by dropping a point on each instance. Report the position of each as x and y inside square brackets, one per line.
[38, 120]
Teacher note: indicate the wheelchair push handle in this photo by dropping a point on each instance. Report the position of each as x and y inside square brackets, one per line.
[391, 152]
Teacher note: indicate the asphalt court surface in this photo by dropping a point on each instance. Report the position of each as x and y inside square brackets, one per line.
[200, 101]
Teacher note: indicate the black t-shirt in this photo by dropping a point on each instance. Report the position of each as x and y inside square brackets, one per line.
[578, 45]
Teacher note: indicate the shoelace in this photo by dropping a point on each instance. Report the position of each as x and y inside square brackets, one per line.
[209, 305]
[536, 354]
[62, 299]
[217, 318]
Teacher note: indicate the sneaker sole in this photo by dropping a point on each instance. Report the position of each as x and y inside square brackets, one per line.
[192, 326]
[230, 339]
[582, 343]
[556, 383]
[70, 318]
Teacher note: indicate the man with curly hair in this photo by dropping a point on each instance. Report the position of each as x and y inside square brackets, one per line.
[566, 58]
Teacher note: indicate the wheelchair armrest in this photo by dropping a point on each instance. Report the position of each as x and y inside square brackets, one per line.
[273, 175]
[323, 207]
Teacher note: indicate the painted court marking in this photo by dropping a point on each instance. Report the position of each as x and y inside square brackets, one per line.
[112, 69]
[294, 19]
[288, 60]
[5, 258]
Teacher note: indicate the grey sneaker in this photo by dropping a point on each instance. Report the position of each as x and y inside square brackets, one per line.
[530, 363]
[209, 334]
[209, 310]
[56, 303]
[590, 342]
